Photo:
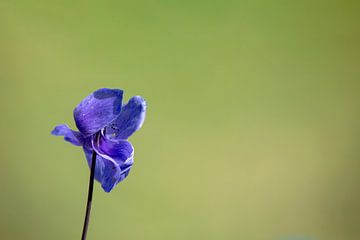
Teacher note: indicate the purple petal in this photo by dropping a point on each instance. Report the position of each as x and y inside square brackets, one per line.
[108, 172]
[131, 118]
[119, 151]
[98, 110]
[71, 136]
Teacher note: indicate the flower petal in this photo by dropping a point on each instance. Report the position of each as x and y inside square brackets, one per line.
[131, 118]
[108, 172]
[71, 136]
[98, 110]
[119, 151]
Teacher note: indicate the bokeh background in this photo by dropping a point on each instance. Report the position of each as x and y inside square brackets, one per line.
[252, 129]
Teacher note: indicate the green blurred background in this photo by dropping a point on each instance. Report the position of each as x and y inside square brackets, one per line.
[252, 129]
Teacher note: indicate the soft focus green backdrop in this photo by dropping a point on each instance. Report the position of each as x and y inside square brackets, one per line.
[252, 129]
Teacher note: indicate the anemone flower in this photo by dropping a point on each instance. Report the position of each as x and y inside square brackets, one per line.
[104, 127]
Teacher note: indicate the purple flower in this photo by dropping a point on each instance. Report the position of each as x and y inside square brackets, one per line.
[104, 127]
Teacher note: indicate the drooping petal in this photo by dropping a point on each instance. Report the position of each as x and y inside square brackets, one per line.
[98, 110]
[131, 118]
[109, 171]
[71, 136]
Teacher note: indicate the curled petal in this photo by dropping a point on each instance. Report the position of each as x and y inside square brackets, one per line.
[125, 168]
[71, 136]
[119, 151]
[98, 110]
[108, 172]
[131, 118]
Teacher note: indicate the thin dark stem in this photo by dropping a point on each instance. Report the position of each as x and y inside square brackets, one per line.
[90, 194]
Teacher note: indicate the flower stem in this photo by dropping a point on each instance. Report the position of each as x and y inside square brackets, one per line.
[90, 194]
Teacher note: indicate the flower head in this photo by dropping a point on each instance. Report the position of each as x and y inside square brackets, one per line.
[104, 127]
